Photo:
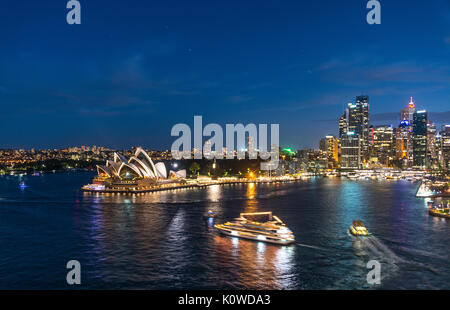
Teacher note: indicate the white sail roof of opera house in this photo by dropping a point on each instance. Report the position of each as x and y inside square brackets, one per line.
[138, 166]
[161, 170]
[181, 174]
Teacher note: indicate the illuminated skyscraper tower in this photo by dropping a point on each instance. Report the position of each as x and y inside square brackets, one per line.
[420, 120]
[343, 125]
[403, 136]
[358, 122]
[408, 113]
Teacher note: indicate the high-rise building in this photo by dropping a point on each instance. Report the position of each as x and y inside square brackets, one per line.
[432, 147]
[403, 144]
[408, 113]
[351, 151]
[329, 147]
[343, 125]
[383, 144]
[358, 121]
[420, 120]
[404, 136]
[444, 150]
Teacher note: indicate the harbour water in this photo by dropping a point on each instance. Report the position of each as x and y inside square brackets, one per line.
[162, 241]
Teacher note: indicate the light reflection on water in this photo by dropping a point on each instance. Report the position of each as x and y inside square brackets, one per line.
[260, 265]
[162, 239]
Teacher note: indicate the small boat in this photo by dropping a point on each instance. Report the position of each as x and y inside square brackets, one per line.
[358, 229]
[271, 231]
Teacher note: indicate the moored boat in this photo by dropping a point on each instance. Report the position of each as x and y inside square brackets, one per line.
[445, 213]
[441, 209]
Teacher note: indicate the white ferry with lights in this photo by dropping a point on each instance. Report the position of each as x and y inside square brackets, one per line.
[271, 231]
[425, 190]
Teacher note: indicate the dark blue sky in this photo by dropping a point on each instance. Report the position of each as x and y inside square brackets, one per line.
[133, 69]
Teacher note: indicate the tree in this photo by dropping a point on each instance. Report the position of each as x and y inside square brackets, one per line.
[195, 167]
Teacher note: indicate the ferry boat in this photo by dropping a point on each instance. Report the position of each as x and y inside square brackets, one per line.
[425, 191]
[358, 229]
[271, 231]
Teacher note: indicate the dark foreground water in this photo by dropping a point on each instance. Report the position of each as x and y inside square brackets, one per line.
[162, 241]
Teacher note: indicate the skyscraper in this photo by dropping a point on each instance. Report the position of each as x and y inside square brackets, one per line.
[404, 136]
[382, 144]
[343, 125]
[329, 146]
[420, 120]
[403, 144]
[351, 151]
[444, 147]
[432, 148]
[408, 113]
[358, 122]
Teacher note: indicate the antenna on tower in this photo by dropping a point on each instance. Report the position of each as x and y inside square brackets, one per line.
[411, 103]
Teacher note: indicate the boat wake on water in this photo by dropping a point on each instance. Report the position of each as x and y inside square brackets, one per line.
[379, 249]
[375, 249]
[310, 246]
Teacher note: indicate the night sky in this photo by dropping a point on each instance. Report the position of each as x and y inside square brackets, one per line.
[133, 69]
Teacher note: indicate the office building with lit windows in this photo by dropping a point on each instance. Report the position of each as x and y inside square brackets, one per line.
[382, 141]
[358, 122]
[351, 151]
[420, 121]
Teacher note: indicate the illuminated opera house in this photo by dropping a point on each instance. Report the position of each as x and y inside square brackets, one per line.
[136, 174]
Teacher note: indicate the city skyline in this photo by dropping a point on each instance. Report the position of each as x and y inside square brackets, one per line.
[146, 68]
[394, 119]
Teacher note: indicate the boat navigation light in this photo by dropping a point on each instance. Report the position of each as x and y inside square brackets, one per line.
[234, 233]
[261, 237]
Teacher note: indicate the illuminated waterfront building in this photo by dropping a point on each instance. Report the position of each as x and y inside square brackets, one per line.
[351, 151]
[420, 121]
[382, 144]
[343, 128]
[138, 173]
[329, 147]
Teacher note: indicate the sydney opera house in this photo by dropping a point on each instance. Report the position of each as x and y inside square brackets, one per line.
[136, 174]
